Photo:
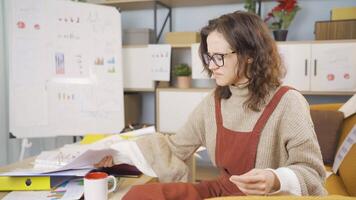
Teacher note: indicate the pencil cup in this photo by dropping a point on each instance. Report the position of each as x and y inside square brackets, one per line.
[96, 186]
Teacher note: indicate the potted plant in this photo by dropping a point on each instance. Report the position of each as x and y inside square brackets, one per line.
[281, 17]
[250, 6]
[182, 72]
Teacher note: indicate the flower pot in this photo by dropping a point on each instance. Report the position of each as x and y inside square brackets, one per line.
[184, 81]
[280, 35]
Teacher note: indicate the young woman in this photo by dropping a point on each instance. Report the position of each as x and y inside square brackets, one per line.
[257, 132]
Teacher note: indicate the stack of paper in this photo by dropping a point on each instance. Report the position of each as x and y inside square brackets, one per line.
[76, 156]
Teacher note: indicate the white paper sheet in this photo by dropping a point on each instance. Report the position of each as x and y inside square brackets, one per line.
[349, 108]
[77, 156]
[160, 61]
[74, 190]
[66, 161]
[28, 195]
[34, 172]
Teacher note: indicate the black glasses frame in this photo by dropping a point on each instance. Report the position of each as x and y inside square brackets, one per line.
[207, 58]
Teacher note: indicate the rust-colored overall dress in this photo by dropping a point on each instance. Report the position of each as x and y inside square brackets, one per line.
[235, 155]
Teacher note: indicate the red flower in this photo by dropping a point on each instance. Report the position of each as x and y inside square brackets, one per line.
[277, 8]
[283, 13]
[287, 5]
[290, 5]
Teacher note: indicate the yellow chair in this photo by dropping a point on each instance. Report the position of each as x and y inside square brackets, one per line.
[344, 183]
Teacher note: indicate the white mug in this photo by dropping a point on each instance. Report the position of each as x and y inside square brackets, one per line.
[96, 186]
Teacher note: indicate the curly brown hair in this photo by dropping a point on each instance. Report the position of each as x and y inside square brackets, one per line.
[249, 36]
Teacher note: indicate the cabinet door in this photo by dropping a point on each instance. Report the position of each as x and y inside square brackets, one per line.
[334, 67]
[174, 107]
[296, 58]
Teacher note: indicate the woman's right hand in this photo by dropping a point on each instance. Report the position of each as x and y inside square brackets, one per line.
[107, 161]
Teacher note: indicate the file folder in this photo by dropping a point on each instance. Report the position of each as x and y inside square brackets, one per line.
[11, 183]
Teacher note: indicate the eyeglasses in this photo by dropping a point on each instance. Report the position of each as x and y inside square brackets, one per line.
[218, 58]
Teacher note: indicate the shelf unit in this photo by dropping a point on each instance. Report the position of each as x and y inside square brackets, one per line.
[316, 93]
[147, 4]
[168, 4]
[181, 46]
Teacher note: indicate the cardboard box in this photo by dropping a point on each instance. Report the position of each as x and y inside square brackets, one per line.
[138, 36]
[343, 13]
[182, 37]
[335, 30]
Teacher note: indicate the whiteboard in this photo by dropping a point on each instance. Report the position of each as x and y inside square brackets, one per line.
[65, 68]
[175, 105]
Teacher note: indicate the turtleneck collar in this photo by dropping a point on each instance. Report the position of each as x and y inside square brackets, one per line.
[239, 90]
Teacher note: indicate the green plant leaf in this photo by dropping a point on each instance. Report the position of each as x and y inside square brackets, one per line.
[182, 70]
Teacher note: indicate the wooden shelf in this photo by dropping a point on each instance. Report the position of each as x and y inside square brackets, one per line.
[181, 45]
[331, 93]
[135, 46]
[314, 93]
[175, 89]
[146, 4]
[139, 89]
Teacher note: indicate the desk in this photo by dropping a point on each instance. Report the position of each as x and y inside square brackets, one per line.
[126, 183]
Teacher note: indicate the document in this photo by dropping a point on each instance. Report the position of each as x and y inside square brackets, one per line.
[34, 172]
[349, 108]
[60, 161]
[76, 156]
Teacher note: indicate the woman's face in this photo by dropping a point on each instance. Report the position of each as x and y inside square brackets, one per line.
[227, 74]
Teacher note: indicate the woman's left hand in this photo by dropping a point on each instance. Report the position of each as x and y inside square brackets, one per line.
[107, 161]
[257, 182]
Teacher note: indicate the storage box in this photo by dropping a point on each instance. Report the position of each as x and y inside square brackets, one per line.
[182, 37]
[343, 13]
[133, 107]
[335, 30]
[138, 36]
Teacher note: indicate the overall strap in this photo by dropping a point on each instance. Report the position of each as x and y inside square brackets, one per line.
[218, 115]
[267, 112]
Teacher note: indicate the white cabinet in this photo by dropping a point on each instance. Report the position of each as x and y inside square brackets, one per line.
[296, 58]
[175, 105]
[333, 67]
[320, 66]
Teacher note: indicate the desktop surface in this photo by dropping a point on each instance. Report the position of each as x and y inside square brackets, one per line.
[125, 182]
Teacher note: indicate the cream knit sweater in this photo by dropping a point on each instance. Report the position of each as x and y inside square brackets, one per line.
[287, 140]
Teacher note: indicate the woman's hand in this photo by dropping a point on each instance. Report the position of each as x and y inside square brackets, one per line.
[107, 161]
[257, 182]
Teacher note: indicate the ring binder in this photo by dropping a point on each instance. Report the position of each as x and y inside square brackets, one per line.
[12, 183]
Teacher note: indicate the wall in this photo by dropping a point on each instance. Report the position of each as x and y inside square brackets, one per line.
[193, 18]
[3, 107]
